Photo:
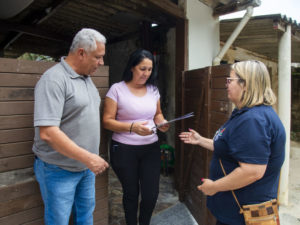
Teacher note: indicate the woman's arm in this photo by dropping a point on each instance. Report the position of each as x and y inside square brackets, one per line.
[109, 117]
[240, 177]
[195, 138]
[159, 118]
[110, 122]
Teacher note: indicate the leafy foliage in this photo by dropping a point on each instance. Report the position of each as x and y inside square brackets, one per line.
[36, 57]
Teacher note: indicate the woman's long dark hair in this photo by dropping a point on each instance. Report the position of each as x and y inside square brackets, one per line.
[135, 58]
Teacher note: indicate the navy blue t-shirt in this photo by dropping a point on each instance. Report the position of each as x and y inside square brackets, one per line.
[251, 135]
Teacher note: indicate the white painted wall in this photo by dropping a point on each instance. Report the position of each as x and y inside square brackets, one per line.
[203, 35]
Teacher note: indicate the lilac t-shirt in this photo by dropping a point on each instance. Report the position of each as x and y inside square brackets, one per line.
[132, 108]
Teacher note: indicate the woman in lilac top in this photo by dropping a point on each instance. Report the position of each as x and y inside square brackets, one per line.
[131, 110]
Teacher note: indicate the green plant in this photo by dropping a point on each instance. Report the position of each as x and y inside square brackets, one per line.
[35, 57]
[294, 136]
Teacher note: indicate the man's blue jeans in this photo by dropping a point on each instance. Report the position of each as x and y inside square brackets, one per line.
[64, 191]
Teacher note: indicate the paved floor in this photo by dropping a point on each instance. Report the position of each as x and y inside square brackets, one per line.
[167, 198]
[290, 214]
[177, 214]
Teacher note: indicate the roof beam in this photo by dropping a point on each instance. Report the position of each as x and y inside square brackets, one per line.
[296, 36]
[142, 9]
[33, 31]
[235, 6]
[281, 26]
[168, 7]
[42, 17]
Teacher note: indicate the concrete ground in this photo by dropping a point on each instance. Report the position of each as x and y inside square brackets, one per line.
[290, 214]
[167, 198]
[177, 214]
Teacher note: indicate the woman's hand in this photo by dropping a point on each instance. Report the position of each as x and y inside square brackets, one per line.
[165, 127]
[191, 137]
[160, 120]
[140, 128]
[208, 187]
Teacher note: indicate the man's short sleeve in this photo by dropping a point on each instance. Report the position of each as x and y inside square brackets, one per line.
[250, 141]
[49, 103]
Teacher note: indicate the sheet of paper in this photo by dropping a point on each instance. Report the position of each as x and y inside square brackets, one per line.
[191, 114]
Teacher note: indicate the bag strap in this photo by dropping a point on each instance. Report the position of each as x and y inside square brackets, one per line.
[241, 210]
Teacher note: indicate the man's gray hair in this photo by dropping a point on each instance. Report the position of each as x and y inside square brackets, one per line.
[86, 38]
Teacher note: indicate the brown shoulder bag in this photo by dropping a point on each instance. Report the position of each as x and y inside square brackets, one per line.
[265, 213]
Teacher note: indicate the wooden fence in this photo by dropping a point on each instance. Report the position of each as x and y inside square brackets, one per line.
[20, 199]
[204, 93]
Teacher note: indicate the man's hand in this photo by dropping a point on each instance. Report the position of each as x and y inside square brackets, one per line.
[96, 164]
[59, 141]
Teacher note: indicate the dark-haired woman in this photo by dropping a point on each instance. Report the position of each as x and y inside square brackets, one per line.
[131, 110]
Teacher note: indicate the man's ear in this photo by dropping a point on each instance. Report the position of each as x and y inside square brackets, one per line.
[80, 52]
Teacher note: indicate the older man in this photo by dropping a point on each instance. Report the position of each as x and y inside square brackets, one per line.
[67, 132]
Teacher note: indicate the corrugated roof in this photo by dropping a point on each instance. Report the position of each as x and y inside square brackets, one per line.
[262, 34]
[47, 26]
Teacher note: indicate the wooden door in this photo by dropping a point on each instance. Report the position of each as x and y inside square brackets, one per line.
[204, 93]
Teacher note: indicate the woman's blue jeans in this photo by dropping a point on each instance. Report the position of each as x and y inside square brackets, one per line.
[64, 192]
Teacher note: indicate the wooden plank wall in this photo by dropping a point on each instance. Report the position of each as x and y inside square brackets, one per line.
[20, 200]
[220, 107]
[195, 99]
[204, 93]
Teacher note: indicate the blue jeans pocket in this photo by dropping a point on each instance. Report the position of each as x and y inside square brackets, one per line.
[52, 167]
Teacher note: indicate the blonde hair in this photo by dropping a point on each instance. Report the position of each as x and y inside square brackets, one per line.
[255, 77]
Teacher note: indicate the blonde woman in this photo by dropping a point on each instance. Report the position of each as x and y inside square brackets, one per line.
[250, 145]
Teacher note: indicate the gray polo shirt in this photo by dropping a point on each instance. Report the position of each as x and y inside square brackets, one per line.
[71, 102]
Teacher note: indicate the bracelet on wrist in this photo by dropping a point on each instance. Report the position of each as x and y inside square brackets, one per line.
[131, 127]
